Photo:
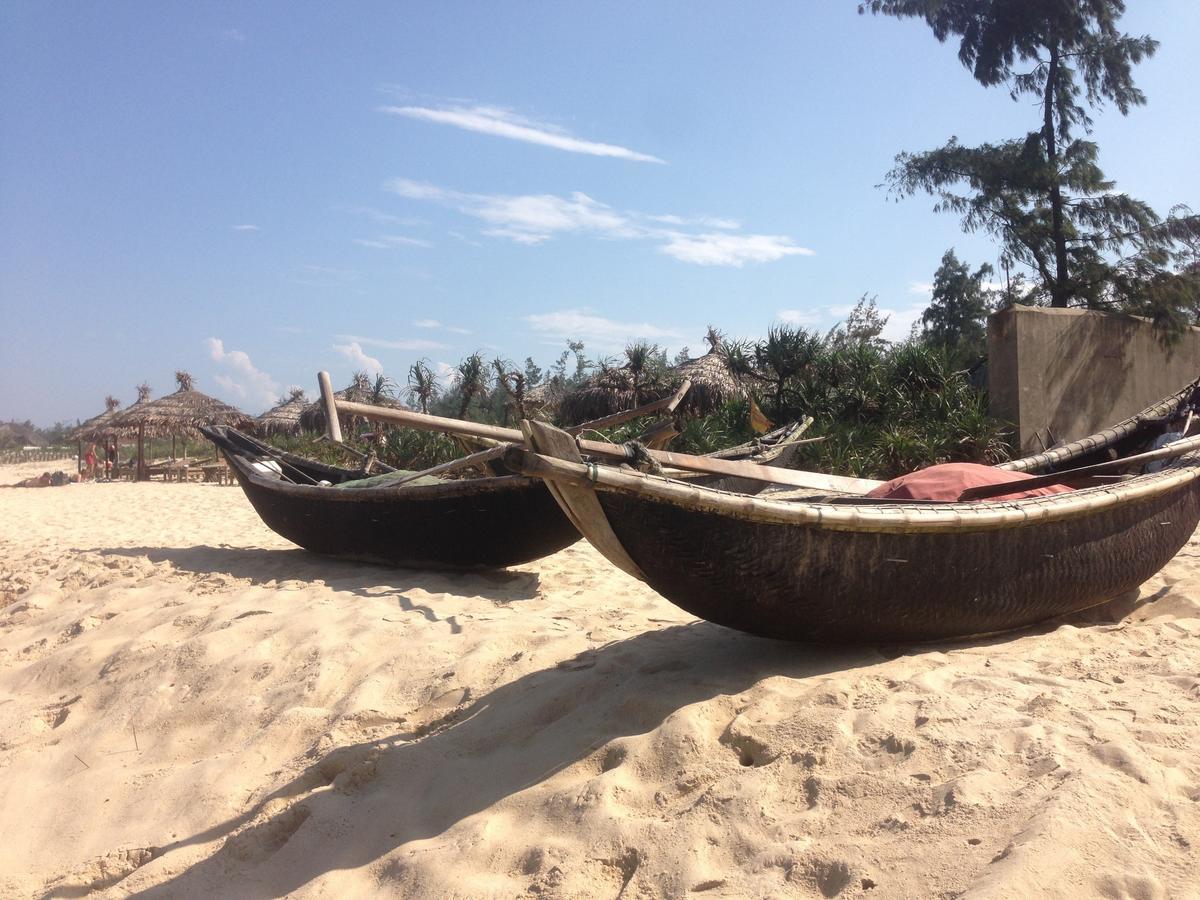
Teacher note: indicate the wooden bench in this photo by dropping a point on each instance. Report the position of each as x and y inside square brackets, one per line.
[218, 473]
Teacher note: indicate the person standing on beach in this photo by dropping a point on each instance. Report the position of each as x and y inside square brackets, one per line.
[89, 462]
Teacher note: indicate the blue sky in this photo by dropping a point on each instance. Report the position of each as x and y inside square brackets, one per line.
[255, 191]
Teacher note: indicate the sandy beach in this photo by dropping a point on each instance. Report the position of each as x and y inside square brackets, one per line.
[190, 706]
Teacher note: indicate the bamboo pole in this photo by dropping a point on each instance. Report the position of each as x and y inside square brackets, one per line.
[333, 428]
[753, 471]
[141, 464]
[898, 517]
[1170, 451]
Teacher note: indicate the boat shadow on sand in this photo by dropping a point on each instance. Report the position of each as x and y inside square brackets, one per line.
[261, 566]
[378, 795]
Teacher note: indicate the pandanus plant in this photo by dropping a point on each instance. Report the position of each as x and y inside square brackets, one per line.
[472, 381]
[422, 385]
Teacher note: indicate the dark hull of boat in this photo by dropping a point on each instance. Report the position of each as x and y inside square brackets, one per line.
[804, 583]
[480, 523]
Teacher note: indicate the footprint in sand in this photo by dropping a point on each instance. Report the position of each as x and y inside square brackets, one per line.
[267, 833]
[102, 873]
[54, 714]
[442, 710]
[84, 625]
[349, 769]
[831, 877]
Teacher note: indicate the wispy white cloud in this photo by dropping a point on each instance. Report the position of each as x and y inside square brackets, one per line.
[233, 34]
[380, 217]
[459, 236]
[387, 241]
[244, 380]
[434, 323]
[246, 228]
[507, 124]
[579, 324]
[325, 276]
[527, 218]
[699, 221]
[900, 321]
[715, 249]
[799, 316]
[354, 352]
[536, 218]
[409, 344]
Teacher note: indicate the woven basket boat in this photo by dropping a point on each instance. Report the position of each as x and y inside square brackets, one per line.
[830, 569]
[470, 523]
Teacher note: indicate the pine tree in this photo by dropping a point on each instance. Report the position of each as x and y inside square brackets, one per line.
[1044, 196]
[956, 319]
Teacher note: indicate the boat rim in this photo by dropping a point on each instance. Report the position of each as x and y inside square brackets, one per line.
[957, 516]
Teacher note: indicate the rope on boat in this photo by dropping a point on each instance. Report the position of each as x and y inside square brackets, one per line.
[640, 459]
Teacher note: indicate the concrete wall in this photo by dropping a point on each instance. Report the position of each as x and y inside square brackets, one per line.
[1062, 374]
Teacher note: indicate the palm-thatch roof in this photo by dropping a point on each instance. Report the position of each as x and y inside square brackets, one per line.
[98, 427]
[611, 390]
[713, 384]
[284, 417]
[179, 413]
[360, 390]
[544, 399]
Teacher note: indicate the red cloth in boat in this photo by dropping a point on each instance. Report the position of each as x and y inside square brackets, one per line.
[947, 481]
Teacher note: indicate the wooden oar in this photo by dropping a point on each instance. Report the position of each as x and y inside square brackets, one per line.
[618, 452]
[1170, 451]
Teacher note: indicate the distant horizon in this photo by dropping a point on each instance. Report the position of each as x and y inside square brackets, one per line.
[253, 194]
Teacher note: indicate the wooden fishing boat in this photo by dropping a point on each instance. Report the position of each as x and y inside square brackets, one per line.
[801, 566]
[488, 522]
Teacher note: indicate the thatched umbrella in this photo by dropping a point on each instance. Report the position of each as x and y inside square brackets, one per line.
[100, 426]
[611, 390]
[180, 413]
[713, 384]
[360, 390]
[284, 418]
[97, 428]
[544, 399]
